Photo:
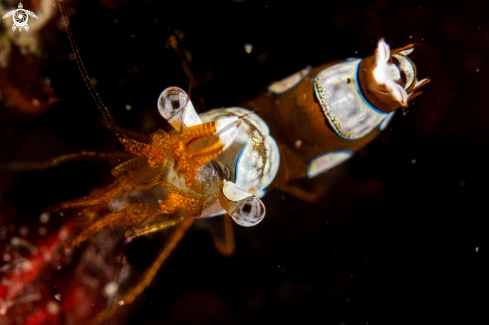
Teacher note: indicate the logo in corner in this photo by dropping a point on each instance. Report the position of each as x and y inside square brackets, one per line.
[21, 16]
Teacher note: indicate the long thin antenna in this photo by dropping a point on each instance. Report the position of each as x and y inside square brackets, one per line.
[105, 112]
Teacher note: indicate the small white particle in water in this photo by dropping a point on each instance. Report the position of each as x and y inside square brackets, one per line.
[42, 231]
[413, 161]
[411, 36]
[53, 308]
[111, 289]
[61, 214]
[248, 48]
[477, 249]
[57, 297]
[160, 201]
[121, 302]
[23, 231]
[476, 70]
[128, 107]
[298, 144]
[44, 217]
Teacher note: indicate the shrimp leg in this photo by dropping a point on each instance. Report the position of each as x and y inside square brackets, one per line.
[224, 243]
[123, 184]
[128, 216]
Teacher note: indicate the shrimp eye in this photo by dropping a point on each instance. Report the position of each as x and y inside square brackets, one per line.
[406, 70]
[249, 213]
[171, 101]
[246, 209]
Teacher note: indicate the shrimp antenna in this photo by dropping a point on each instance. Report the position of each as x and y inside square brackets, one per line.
[105, 112]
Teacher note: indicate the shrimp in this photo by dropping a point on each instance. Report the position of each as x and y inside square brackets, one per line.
[221, 161]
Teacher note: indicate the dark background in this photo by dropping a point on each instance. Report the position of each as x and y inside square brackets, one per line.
[394, 241]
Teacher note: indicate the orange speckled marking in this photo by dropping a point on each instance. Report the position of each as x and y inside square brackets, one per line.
[191, 205]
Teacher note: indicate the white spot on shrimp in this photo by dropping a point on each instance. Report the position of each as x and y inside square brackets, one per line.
[298, 144]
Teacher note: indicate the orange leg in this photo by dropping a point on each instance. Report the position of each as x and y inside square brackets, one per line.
[128, 216]
[176, 208]
[124, 167]
[225, 246]
[123, 184]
